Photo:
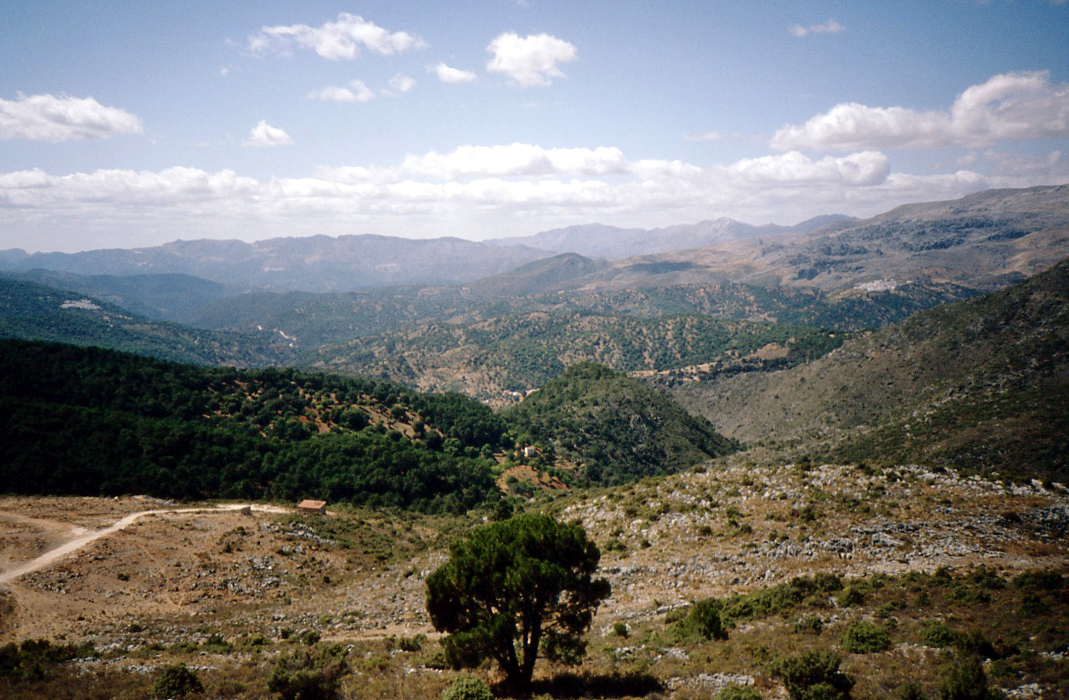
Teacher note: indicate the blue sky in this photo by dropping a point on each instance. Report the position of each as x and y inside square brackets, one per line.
[132, 124]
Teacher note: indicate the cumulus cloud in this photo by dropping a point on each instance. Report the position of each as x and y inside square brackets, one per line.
[829, 27]
[55, 119]
[357, 91]
[401, 83]
[1006, 107]
[865, 168]
[449, 74]
[531, 60]
[339, 40]
[263, 135]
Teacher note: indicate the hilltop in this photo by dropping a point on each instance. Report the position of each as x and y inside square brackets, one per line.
[615, 427]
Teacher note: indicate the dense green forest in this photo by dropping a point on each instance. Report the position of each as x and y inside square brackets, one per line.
[616, 427]
[94, 421]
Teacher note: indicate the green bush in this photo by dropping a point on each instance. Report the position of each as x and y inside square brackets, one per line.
[865, 638]
[851, 595]
[313, 674]
[468, 688]
[937, 634]
[33, 659]
[738, 692]
[620, 629]
[814, 675]
[809, 624]
[964, 679]
[703, 621]
[1039, 580]
[177, 682]
[911, 691]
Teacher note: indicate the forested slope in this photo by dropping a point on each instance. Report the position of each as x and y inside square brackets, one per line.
[93, 421]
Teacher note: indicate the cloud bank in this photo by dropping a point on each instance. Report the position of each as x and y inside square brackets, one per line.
[1006, 107]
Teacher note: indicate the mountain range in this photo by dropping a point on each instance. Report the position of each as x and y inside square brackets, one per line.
[314, 263]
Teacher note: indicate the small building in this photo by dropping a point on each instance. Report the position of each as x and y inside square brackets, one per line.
[312, 506]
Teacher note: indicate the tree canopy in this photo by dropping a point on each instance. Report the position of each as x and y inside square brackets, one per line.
[516, 588]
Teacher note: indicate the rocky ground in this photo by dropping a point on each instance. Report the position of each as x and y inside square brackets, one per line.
[252, 583]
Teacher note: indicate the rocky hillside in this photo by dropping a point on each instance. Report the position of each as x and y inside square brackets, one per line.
[983, 241]
[494, 358]
[900, 575]
[981, 384]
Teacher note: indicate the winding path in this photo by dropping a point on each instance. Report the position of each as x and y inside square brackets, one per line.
[86, 537]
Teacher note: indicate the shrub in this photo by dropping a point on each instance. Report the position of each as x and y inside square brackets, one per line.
[965, 679]
[937, 634]
[468, 688]
[865, 638]
[33, 659]
[1032, 605]
[1039, 580]
[851, 595]
[738, 692]
[620, 629]
[809, 624]
[814, 675]
[310, 674]
[177, 682]
[703, 621]
[911, 691]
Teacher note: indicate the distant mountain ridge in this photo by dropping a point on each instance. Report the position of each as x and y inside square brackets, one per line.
[613, 243]
[31, 311]
[314, 263]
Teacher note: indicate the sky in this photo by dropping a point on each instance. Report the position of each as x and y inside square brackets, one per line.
[127, 125]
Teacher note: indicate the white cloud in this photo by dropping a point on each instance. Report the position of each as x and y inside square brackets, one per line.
[357, 91]
[55, 119]
[865, 168]
[263, 135]
[529, 60]
[401, 83]
[829, 27]
[475, 191]
[449, 74]
[515, 159]
[341, 39]
[1007, 107]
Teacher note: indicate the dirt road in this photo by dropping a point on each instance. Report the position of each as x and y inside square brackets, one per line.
[84, 537]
